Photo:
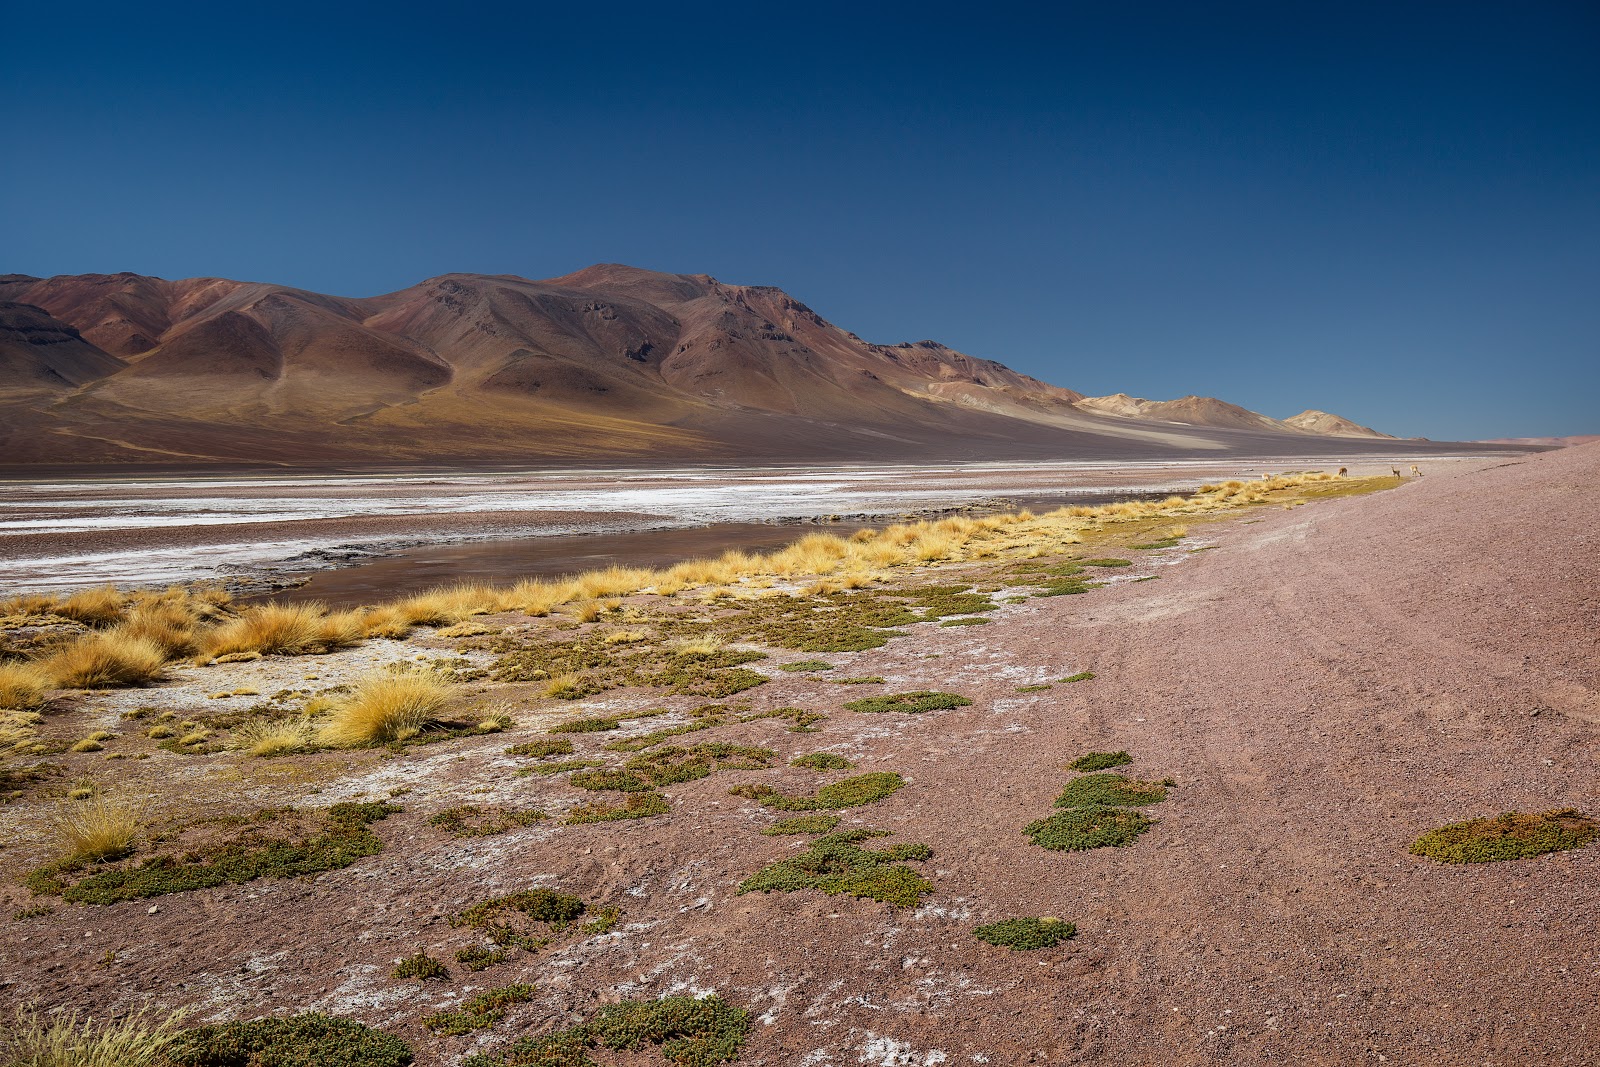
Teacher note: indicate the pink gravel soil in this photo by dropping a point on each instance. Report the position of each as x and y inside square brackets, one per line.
[1323, 687]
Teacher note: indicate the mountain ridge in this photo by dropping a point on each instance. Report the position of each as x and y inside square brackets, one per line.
[608, 361]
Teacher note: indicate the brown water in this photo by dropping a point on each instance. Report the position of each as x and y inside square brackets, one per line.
[512, 559]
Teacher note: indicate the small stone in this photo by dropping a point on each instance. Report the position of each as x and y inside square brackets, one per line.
[153, 909]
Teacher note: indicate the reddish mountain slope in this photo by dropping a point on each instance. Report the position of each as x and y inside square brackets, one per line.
[610, 361]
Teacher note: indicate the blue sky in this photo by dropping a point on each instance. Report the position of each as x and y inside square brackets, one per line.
[1388, 211]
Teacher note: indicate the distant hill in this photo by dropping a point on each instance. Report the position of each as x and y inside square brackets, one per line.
[611, 362]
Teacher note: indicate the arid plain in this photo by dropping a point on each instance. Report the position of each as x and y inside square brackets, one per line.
[829, 792]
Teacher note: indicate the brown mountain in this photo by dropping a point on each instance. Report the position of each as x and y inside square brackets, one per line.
[611, 362]
[1314, 421]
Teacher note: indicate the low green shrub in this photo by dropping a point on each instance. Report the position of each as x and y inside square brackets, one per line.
[690, 1032]
[912, 703]
[1099, 761]
[1026, 934]
[838, 864]
[1110, 789]
[309, 1040]
[822, 761]
[1095, 826]
[542, 748]
[467, 820]
[632, 806]
[1508, 836]
[846, 793]
[479, 1012]
[422, 967]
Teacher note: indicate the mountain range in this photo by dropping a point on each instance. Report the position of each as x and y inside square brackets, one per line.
[609, 363]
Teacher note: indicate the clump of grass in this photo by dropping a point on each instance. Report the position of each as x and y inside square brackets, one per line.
[283, 629]
[806, 665]
[803, 824]
[106, 660]
[1032, 688]
[467, 820]
[1107, 562]
[671, 763]
[479, 1012]
[864, 680]
[838, 864]
[96, 829]
[422, 967]
[632, 806]
[690, 1031]
[966, 621]
[386, 706]
[585, 725]
[342, 839]
[1509, 836]
[822, 761]
[610, 778]
[23, 687]
[87, 744]
[92, 607]
[1100, 761]
[912, 703]
[1112, 790]
[271, 737]
[309, 1040]
[66, 1039]
[1095, 826]
[1026, 934]
[542, 748]
[847, 793]
[1081, 676]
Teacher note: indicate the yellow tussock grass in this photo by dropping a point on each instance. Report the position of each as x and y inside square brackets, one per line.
[102, 660]
[23, 687]
[93, 607]
[99, 828]
[386, 706]
[274, 737]
[64, 1039]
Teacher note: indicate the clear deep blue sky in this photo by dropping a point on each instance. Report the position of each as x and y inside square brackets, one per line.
[1391, 211]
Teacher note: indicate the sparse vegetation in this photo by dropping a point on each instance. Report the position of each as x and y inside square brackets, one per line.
[1509, 836]
[106, 660]
[803, 824]
[336, 840]
[1081, 676]
[806, 665]
[1033, 688]
[586, 726]
[466, 820]
[1026, 934]
[479, 1012]
[23, 687]
[847, 793]
[838, 864]
[690, 1031]
[911, 703]
[268, 737]
[822, 761]
[1110, 789]
[632, 806]
[528, 920]
[422, 967]
[1106, 562]
[542, 748]
[309, 1040]
[1100, 761]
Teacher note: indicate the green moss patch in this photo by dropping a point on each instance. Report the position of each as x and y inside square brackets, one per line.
[467, 820]
[633, 806]
[1508, 836]
[479, 1012]
[803, 824]
[1165, 542]
[1026, 934]
[586, 725]
[1099, 761]
[309, 1040]
[588, 665]
[806, 665]
[1113, 789]
[279, 845]
[911, 703]
[822, 761]
[1081, 676]
[847, 793]
[689, 1031]
[1107, 562]
[542, 748]
[870, 679]
[1096, 826]
[838, 864]
[1032, 688]
[965, 622]
[478, 958]
[667, 764]
[801, 721]
[563, 768]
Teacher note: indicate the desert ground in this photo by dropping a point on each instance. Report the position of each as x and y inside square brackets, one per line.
[1306, 675]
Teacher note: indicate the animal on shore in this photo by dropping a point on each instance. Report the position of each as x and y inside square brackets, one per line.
[1344, 472]
[1397, 473]
[1265, 476]
[1415, 473]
